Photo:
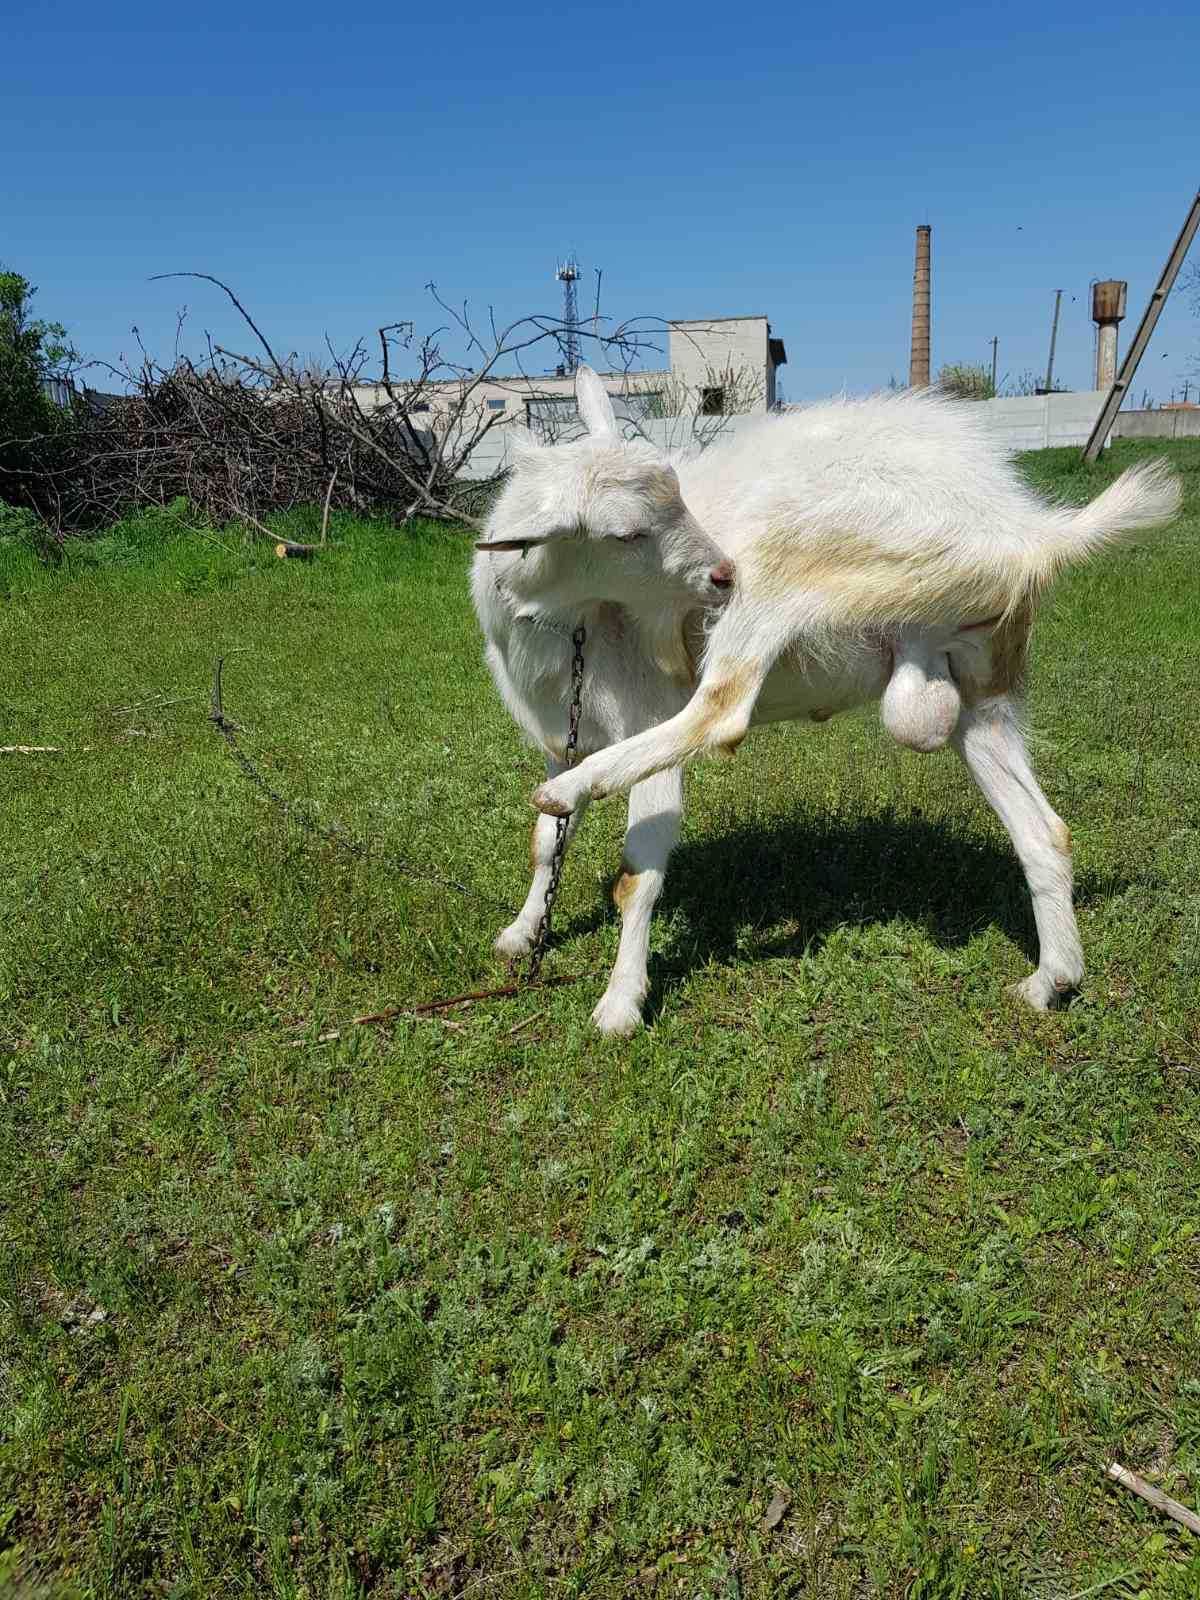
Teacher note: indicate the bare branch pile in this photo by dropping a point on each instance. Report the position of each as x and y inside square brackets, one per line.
[393, 429]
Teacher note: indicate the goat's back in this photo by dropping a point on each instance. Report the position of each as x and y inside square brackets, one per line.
[897, 508]
[909, 465]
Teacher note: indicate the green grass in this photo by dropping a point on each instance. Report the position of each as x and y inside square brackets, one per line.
[487, 1306]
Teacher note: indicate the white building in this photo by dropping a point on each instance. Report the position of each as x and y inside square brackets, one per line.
[718, 365]
[724, 360]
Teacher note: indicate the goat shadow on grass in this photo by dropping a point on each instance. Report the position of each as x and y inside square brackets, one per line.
[816, 874]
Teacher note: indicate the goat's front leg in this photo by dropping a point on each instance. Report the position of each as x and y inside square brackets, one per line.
[990, 741]
[655, 807]
[517, 939]
[716, 717]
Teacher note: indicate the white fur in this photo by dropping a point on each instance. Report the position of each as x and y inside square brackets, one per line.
[870, 540]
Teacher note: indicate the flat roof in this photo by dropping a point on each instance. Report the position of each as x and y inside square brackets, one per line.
[703, 322]
[520, 378]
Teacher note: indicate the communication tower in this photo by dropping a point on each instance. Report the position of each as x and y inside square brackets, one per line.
[568, 276]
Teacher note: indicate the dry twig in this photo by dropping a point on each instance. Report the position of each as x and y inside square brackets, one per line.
[524, 1023]
[1155, 1497]
[429, 1008]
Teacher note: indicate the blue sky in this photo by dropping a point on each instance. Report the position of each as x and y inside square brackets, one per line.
[713, 160]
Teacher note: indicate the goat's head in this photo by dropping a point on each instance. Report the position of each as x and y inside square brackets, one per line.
[601, 519]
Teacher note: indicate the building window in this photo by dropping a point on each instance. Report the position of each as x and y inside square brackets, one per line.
[712, 402]
[496, 405]
[423, 405]
[553, 417]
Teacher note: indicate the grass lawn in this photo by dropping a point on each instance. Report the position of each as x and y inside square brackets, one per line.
[482, 1305]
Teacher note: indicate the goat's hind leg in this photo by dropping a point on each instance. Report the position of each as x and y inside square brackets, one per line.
[990, 741]
[517, 939]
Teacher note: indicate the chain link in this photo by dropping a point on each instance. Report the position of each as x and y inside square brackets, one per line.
[562, 824]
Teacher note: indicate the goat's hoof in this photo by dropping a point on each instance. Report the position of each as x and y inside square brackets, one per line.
[550, 803]
[513, 942]
[617, 1016]
[1044, 993]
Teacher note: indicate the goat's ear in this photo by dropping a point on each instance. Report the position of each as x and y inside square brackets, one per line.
[595, 407]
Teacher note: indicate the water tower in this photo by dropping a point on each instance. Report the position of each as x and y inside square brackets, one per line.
[1108, 308]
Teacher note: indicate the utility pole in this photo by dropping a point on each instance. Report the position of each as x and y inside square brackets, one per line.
[1141, 338]
[1053, 342]
[918, 363]
[995, 343]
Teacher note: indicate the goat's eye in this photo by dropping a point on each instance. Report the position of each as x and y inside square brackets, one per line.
[630, 538]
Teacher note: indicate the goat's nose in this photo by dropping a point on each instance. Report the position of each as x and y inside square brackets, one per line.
[721, 575]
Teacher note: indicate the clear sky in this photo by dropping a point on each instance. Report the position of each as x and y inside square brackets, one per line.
[713, 160]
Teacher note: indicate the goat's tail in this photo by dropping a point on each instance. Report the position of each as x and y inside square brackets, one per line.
[1142, 497]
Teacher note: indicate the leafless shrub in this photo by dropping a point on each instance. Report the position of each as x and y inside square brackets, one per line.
[694, 414]
[727, 391]
[394, 428]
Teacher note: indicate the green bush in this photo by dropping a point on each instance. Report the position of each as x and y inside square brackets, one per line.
[31, 352]
[967, 381]
[18, 523]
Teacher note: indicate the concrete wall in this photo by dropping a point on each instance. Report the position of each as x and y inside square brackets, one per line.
[1041, 421]
[1169, 424]
[1034, 422]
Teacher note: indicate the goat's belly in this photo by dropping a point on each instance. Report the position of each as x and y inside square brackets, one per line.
[800, 689]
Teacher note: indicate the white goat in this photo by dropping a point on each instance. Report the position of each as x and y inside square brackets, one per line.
[881, 547]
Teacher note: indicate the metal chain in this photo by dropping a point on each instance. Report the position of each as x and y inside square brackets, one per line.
[562, 824]
[334, 835]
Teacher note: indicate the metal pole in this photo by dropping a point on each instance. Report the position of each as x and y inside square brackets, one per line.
[1141, 339]
[1053, 341]
[995, 342]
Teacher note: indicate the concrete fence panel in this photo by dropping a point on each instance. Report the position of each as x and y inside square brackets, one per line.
[1169, 424]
